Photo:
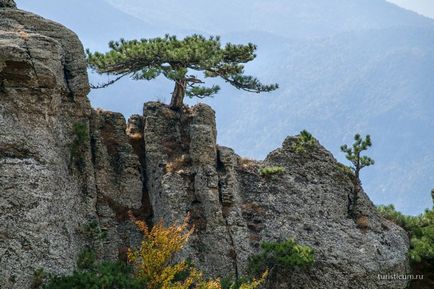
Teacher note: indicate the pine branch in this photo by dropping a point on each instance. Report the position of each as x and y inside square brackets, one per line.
[104, 85]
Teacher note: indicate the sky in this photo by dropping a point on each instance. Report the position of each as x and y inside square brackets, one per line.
[423, 7]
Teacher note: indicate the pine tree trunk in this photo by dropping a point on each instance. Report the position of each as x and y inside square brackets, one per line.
[357, 190]
[178, 94]
[356, 193]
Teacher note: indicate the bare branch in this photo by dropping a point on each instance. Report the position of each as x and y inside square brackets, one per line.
[104, 85]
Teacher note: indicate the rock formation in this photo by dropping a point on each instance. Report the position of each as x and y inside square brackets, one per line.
[8, 4]
[48, 193]
[63, 165]
[234, 208]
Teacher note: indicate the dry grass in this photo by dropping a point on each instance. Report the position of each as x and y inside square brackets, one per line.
[178, 164]
[135, 136]
[247, 163]
[24, 35]
[362, 222]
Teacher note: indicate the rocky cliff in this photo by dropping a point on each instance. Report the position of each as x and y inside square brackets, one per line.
[63, 165]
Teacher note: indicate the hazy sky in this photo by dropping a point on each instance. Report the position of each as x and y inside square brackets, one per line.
[424, 7]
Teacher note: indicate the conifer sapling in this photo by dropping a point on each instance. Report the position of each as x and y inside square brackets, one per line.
[353, 154]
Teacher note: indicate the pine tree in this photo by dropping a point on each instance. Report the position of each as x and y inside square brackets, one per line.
[353, 154]
[146, 59]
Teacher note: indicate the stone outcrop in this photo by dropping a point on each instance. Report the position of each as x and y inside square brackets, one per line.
[63, 165]
[48, 190]
[234, 208]
[7, 4]
[310, 202]
[43, 88]
[118, 182]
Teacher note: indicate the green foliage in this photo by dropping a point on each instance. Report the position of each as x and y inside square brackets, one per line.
[152, 266]
[78, 145]
[304, 142]
[95, 236]
[86, 259]
[271, 171]
[353, 154]
[280, 256]
[389, 213]
[38, 278]
[146, 59]
[91, 274]
[184, 274]
[420, 229]
[230, 283]
[346, 170]
[93, 231]
[113, 275]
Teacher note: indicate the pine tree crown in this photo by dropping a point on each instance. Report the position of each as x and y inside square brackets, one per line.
[175, 59]
[353, 153]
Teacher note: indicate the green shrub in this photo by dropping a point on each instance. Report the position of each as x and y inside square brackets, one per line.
[346, 170]
[420, 230]
[38, 278]
[86, 259]
[230, 283]
[79, 145]
[280, 256]
[152, 266]
[305, 142]
[94, 235]
[270, 171]
[93, 231]
[113, 275]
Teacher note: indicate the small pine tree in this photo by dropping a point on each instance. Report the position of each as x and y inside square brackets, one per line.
[280, 257]
[420, 230]
[176, 59]
[353, 154]
[304, 142]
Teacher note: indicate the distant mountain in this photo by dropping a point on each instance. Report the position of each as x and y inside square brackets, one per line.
[377, 82]
[344, 66]
[424, 7]
[96, 22]
[289, 18]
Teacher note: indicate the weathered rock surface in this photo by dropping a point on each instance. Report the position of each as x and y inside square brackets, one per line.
[43, 87]
[311, 203]
[118, 180]
[160, 166]
[45, 199]
[234, 208]
[8, 4]
[182, 177]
